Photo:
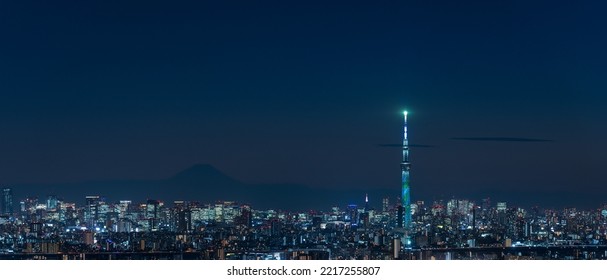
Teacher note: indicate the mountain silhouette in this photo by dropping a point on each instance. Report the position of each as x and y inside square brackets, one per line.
[203, 173]
[206, 184]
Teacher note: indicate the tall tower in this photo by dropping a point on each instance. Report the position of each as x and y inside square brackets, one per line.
[405, 166]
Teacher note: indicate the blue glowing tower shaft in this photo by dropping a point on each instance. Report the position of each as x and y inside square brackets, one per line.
[405, 166]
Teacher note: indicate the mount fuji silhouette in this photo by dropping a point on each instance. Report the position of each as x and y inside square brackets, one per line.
[206, 184]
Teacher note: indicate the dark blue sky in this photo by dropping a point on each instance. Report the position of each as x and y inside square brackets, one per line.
[307, 92]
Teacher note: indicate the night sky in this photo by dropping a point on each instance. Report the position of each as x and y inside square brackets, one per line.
[504, 96]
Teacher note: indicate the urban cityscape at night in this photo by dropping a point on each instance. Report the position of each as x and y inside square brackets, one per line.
[302, 130]
[51, 228]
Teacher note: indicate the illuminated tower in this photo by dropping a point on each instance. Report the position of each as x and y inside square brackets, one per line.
[405, 166]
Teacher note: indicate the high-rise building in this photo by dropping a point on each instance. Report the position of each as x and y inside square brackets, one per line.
[124, 208]
[502, 206]
[51, 202]
[405, 167]
[276, 228]
[184, 220]
[6, 203]
[152, 213]
[352, 216]
[385, 205]
[246, 217]
[92, 210]
[486, 204]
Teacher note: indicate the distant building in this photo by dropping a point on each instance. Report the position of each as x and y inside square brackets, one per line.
[152, 213]
[88, 237]
[51, 202]
[352, 214]
[486, 204]
[245, 218]
[6, 203]
[385, 205]
[276, 228]
[502, 206]
[184, 220]
[92, 210]
[124, 208]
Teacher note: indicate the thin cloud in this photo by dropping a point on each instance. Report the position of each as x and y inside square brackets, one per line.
[502, 139]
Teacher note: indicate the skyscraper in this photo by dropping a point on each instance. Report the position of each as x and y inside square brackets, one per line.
[152, 213]
[51, 202]
[385, 205]
[6, 203]
[92, 210]
[405, 166]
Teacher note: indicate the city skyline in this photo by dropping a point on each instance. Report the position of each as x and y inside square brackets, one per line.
[228, 230]
[127, 229]
[190, 183]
